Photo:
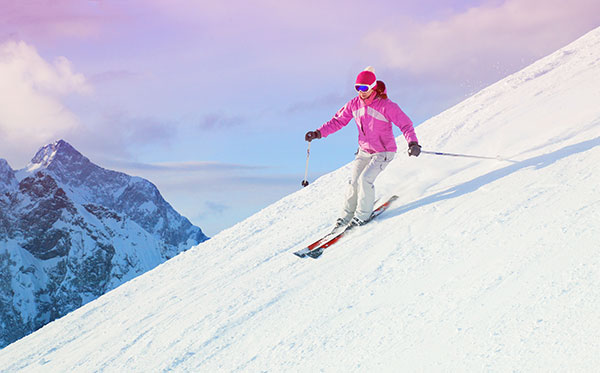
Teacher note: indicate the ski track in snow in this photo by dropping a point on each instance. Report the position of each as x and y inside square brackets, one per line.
[480, 265]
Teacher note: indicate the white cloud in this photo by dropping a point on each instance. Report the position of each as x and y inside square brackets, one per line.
[31, 92]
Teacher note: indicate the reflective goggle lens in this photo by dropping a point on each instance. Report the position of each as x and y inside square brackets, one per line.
[361, 87]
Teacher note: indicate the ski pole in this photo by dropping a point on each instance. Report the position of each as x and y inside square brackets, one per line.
[305, 182]
[498, 158]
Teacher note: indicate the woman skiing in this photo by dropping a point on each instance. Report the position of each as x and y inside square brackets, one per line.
[374, 114]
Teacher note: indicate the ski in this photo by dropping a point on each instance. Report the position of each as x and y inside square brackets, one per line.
[302, 253]
[315, 249]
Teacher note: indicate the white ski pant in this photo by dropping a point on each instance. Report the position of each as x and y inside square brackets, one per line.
[360, 197]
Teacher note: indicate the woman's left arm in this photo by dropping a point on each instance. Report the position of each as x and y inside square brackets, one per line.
[402, 121]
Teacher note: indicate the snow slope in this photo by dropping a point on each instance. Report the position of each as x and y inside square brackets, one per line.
[480, 265]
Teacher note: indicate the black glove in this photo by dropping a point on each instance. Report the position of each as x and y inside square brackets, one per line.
[414, 149]
[311, 135]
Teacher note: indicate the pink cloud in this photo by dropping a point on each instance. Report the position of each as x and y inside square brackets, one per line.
[53, 20]
[491, 39]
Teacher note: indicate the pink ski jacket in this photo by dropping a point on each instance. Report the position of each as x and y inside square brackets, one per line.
[374, 122]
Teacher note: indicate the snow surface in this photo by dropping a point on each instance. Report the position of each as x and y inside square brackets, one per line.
[480, 265]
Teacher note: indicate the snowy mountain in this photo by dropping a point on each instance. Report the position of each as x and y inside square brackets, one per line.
[480, 265]
[70, 231]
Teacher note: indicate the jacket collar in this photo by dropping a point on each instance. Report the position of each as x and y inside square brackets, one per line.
[369, 100]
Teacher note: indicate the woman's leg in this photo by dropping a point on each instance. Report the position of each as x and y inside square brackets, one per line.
[361, 161]
[366, 188]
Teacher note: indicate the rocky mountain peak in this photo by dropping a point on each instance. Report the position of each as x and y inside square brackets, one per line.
[4, 165]
[7, 175]
[71, 230]
[56, 154]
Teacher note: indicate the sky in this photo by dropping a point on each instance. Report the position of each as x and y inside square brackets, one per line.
[210, 100]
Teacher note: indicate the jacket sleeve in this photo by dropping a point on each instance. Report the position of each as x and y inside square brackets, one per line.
[402, 121]
[339, 120]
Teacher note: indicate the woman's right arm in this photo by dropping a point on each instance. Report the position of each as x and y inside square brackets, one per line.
[339, 120]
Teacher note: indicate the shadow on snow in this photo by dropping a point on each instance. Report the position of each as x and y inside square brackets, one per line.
[473, 185]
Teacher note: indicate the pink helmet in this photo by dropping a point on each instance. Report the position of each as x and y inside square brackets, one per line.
[367, 76]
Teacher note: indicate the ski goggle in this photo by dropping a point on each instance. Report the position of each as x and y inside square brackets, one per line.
[364, 87]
